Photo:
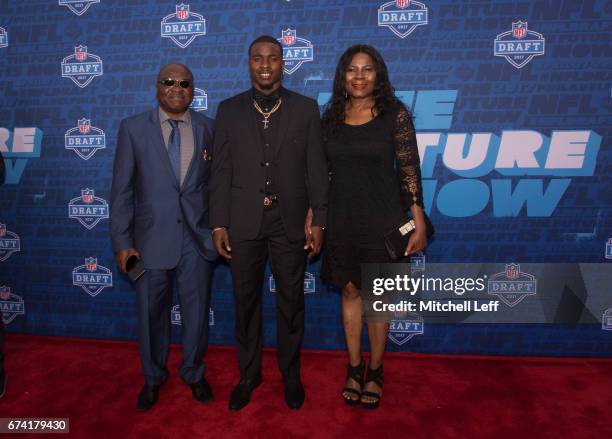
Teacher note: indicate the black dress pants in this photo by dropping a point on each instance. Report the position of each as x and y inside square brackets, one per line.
[288, 262]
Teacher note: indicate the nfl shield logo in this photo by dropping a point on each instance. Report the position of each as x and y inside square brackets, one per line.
[404, 326]
[417, 262]
[512, 271]
[296, 51]
[81, 66]
[519, 53]
[288, 37]
[182, 12]
[80, 53]
[519, 29]
[606, 320]
[512, 285]
[182, 32]
[79, 7]
[91, 264]
[402, 17]
[87, 195]
[175, 315]
[92, 277]
[87, 209]
[84, 125]
[9, 243]
[12, 307]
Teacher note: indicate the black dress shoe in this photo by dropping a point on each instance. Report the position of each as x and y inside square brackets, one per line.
[147, 398]
[2, 384]
[241, 395]
[201, 391]
[294, 394]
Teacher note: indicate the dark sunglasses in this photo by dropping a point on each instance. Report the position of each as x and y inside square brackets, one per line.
[183, 83]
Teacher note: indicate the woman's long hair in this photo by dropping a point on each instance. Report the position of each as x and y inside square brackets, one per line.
[384, 94]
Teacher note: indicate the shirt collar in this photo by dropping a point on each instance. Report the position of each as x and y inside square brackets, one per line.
[163, 117]
[266, 102]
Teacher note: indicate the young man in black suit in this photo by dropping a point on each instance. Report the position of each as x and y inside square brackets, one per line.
[268, 197]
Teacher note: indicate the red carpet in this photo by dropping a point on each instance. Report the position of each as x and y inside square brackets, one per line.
[95, 383]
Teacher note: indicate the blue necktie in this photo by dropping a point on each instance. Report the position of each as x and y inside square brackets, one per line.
[174, 148]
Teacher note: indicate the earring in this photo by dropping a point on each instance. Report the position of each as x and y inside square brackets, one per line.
[345, 95]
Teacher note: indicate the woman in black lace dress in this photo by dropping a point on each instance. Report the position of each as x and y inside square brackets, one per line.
[375, 180]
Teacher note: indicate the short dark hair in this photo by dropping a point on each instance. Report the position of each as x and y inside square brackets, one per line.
[266, 39]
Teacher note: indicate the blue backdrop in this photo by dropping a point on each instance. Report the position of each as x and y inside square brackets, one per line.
[512, 105]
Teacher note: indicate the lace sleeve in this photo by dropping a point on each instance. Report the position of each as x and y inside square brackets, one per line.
[407, 160]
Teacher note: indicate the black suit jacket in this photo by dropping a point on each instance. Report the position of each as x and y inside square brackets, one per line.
[238, 175]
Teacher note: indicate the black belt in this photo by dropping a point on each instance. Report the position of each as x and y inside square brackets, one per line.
[269, 200]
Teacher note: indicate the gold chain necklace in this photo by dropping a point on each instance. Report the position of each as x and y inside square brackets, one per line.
[267, 115]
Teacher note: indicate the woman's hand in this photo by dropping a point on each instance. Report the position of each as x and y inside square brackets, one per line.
[417, 242]
[418, 239]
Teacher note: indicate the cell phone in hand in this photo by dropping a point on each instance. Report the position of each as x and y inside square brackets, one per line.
[134, 268]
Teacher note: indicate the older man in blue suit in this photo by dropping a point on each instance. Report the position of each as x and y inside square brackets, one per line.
[159, 212]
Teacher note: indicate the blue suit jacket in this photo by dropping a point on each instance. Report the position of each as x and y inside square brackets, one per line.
[148, 208]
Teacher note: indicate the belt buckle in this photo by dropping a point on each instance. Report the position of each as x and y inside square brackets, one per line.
[267, 201]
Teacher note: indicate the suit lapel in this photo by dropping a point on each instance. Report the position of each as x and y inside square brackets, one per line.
[285, 118]
[251, 119]
[156, 138]
[198, 146]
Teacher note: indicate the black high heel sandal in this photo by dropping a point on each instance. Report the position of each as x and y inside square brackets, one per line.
[375, 376]
[356, 373]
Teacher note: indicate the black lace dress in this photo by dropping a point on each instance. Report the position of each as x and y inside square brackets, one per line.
[375, 178]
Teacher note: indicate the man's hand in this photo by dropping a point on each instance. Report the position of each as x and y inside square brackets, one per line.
[313, 234]
[308, 229]
[315, 242]
[123, 255]
[221, 242]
